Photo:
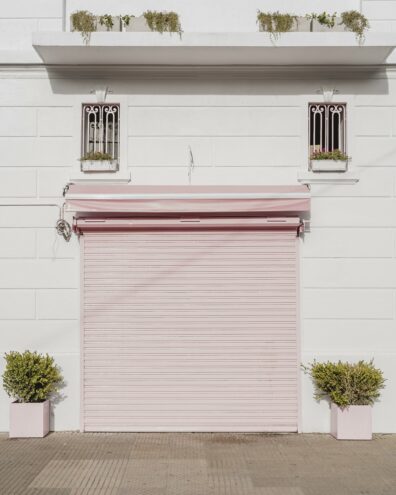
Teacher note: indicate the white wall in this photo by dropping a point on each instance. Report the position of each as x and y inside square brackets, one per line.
[246, 130]
[19, 18]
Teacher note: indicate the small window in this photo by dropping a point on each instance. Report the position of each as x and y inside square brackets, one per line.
[100, 129]
[327, 127]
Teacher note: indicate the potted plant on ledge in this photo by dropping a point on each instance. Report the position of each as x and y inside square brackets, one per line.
[97, 161]
[352, 389]
[329, 161]
[30, 378]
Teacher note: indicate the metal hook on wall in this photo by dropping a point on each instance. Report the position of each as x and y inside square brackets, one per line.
[63, 227]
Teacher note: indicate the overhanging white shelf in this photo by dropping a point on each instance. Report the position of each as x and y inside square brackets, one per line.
[213, 49]
[307, 177]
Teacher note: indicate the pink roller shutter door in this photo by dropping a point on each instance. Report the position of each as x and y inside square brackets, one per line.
[189, 330]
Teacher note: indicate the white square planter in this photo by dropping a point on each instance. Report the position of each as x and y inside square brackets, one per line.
[329, 165]
[137, 25]
[29, 419]
[99, 165]
[351, 423]
[303, 25]
[317, 27]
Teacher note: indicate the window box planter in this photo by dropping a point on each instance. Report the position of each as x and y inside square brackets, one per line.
[351, 423]
[300, 24]
[99, 165]
[317, 27]
[136, 25]
[329, 165]
[29, 419]
[116, 27]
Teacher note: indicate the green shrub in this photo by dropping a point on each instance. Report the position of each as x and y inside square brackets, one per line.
[329, 155]
[163, 21]
[346, 384]
[97, 156]
[356, 22]
[30, 377]
[85, 22]
[107, 21]
[324, 19]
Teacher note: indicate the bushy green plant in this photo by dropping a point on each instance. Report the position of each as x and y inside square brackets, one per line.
[276, 23]
[163, 21]
[346, 384]
[329, 155]
[324, 19]
[83, 21]
[107, 21]
[96, 156]
[30, 377]
[126, 19]
[356, 22]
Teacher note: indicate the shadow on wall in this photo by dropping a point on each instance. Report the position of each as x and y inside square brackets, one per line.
[265, 81]
[56, 399]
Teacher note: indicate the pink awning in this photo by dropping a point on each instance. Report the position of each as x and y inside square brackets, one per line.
[223, 200]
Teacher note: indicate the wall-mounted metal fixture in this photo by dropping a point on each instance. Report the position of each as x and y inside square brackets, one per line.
[327, 93]
[101, 93]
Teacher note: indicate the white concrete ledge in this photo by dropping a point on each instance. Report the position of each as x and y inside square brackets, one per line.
[307, 177]
[214, 48]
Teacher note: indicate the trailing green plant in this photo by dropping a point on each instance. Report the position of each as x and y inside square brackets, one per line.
[83, 21]
[329, 155]
[30, 377]
[346, 384]
[163, 21]
[324, 18]
[356, 22]
[96, 156]
[276, 23]
[107, 21]
[126, 19]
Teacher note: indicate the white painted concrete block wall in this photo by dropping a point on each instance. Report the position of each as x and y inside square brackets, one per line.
[19, 18]
[247, 131]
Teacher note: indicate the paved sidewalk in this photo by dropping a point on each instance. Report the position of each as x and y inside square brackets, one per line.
[196, 464]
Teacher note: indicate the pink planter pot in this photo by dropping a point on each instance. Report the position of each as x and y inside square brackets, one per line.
[29, 419]
[351, 423]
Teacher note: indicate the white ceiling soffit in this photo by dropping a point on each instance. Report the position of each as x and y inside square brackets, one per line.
[342, 48]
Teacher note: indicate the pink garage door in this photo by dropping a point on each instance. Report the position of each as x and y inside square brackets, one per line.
[189, 330]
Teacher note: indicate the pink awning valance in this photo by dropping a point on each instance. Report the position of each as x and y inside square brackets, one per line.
[164, 200]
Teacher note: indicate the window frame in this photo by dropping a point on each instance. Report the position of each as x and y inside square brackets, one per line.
[342, 104]
[84, 137]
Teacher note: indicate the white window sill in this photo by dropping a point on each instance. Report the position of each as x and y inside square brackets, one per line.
[307, 177]
[121, 177]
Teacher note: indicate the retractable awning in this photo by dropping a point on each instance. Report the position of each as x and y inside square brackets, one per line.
[127, 199]
[126, 207]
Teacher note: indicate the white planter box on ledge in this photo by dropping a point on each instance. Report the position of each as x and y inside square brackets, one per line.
[29, 419]
[329, 165]
[99, 165]
[136, 25]
[317, 27]
[351, 423]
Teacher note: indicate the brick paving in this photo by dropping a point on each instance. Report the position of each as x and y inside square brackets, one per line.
[196, 464]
